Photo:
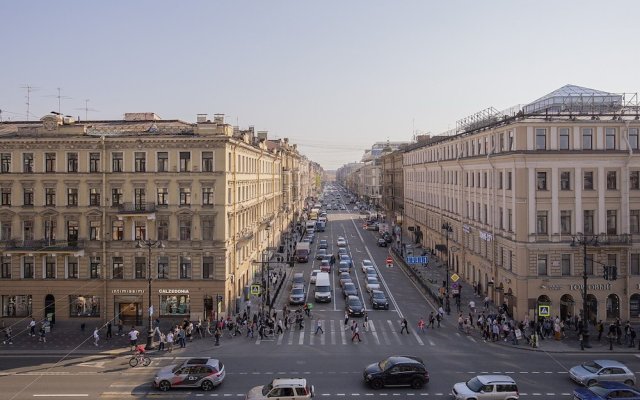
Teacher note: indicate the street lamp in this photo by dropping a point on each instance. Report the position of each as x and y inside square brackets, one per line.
[448, 229]
[583, 240]
[149, 244]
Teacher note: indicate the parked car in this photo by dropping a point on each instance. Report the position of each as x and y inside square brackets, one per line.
[607, 390]
[320, 254]
[378, 300]
[354, 306]
[397, 371]
[592, 372]
[281, 388]
[205, 373]
[349, 289]
[372, 283]
[365, 264]
[499, 387]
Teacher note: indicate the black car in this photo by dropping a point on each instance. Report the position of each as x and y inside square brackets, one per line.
[382, 242]
[354, 306]
[349, 289]
[397, 371]
[379, 300]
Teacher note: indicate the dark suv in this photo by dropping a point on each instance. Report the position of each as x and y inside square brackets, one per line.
[397, 371]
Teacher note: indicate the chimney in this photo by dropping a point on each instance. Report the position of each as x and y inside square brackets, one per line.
[262, 135]
[202, 118]
[218, 118]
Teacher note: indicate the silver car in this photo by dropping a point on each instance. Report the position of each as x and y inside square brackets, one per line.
[205, 373]
[592, 372]
[372, 283]
[481, 387]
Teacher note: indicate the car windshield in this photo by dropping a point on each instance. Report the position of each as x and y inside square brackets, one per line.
[592, 366]
[297, 291]
[354, 302]
[371, 279]
[384, 364]
[378, 295]
[474, 384]
[176, 368]
[600, 391]
[367, 262]
[266, 389]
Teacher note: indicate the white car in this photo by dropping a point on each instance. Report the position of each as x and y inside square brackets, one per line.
[371, 272]
[282, 388]
[342, 243]
[494, 387]
[365, 264]
[314, 275]
[372, 283]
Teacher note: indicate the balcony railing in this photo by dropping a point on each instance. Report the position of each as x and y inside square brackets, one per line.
[603, 239]
[44, 245]
[137, 208]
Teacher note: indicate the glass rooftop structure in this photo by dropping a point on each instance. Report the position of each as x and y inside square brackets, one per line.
[576, 99]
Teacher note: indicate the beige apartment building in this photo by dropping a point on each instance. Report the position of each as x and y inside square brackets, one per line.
[76, 198]
[517, 188]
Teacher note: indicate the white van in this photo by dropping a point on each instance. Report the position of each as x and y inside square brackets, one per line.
[323, 288]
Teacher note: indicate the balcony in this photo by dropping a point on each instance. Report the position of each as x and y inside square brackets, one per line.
[75, 247]
[603, 239]
[137, 210]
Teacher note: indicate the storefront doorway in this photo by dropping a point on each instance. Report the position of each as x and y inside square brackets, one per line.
[130, 313]
[613, 307]
[567, 307]
[50, 308]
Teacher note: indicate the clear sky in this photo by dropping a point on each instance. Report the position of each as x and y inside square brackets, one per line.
[333, 76]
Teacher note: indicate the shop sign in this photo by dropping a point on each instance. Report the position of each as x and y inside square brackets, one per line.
[486, 236]
[593, 286]
[127, 291]
[173, 291]
[554, 287]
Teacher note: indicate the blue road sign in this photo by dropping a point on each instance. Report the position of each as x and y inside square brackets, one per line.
[417, 260]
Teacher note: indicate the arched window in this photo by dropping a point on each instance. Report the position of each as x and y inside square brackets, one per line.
[613, 306]
[634, 305]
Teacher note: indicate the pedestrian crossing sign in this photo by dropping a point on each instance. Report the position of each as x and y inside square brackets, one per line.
[255, 290]
[455, 277]
[544, 311]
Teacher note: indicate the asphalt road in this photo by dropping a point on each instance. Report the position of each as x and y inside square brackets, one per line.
[330, 361]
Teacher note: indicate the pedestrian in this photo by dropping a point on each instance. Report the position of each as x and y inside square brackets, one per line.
[96, 336]
[632, 337]
[217, 336]
[356, 333]
[109, 334]
[600, 328]
[133, 338]
[43, 335]
[404, 326]
[438, 319]
[120, 327]
[279, 327]
[487, 299]
[346, 320]
[170, 340]
[32, 327]
[421, 325]
[366, 322]
[182, 335]
[581, 339]
[163, 340]
[319, 327]
[7, 336]
[472, 306]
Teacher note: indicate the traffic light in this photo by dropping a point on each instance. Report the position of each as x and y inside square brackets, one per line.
[606, 272]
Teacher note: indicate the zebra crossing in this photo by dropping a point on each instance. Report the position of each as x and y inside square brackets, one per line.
[379, 333]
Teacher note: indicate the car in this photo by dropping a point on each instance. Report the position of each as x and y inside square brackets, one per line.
[349, 289]
[344, 266]
[298, 279]
[310, 238]
[378, 300]
[282, 388]
[323, 244]
[325, 266]
[297, 295]
[371, 272]
[347, 259]
[314, 275]
[344, 277]
[372, 283]
[500, 387]
[205, 373]
[341, 243]
[592, 372]
[397, 371]
[320, 254]
[356, 208]
[366, 264]
[342, 251]
[306, 239]
[382, 242]
[354, 306]
[607, 390]
[372, 226]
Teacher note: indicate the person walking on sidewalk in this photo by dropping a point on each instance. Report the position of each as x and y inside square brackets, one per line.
[404, 326]
[170, 340]
[96, 336]
[32, 327]
[43, 335]
[120, 327]
[133, 338]
[7, 336]
[319, 327]
[109, 334]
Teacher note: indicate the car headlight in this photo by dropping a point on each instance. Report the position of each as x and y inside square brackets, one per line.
[368, 376]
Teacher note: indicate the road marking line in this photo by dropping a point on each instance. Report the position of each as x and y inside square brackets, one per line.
[431, 343]
[301, 338]
[280, 338]
[415, 334]
[290, 341]
[395, 334]
[342, 336]
[63, 395]
[333, 332]
[373, 332]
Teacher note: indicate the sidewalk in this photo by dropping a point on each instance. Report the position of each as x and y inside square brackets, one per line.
[430, 279]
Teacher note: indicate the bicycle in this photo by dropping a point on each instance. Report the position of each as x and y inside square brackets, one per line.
[138, 358]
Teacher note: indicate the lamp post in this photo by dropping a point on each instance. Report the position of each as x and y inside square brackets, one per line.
[447, 228]
[149, 244]
[583, 240]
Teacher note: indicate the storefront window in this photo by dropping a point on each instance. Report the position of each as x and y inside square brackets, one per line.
[174, 305]
[84, 306]
[16, 306]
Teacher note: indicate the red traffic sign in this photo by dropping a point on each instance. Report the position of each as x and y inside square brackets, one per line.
[389, 260]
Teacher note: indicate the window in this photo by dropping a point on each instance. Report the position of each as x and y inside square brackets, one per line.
[84, 306]
[117, 230]
[207, 161]
[72, 197]
[565, 222]
[587, 139]
[140, 266]
[633, 138]
[140, 230]
[72, 268]
[163, 161]
[541, 222]
[207, 196]
[117, 162]
[72, 233]
[5, 163]
[50, 162]
[140, 161]
[27, 163]
[94, 230]
[163, 229]
[94, 162]
[589, 264]
[542, 265]
[541, 139]
[634, 221]
[163, 196]
[612, 181]
[116, 197]
[118, 268]
[207, 228]
[564, 139]
[610, 138]
[635, 264]
[94, 197]
[140, 198]
[50, 268]
[50, 226]
[185, 229]
[16, 306]
[27, 196]
[588, 180]
[27, 229]
[612, 222]
[50, 197]
[511, 141]
[509, 176]
[5, 196]
[207, 268]
[185, 267]
[5, 267]
[94, 268]
[589, 219]
[163, 267]
[565, 180]
[185, 161]
[612, 260]
[27, 268]
[72, 162]
[5, 230]
[174, 305]
[510, 219]
[542, 181]
[500, 218]
[634, 180]
[500, 176]
[185, 196]
[565, 264]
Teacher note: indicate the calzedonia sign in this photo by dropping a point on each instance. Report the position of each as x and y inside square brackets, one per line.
[173, 291]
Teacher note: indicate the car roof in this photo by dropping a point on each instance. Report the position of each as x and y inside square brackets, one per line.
[202, 361]
[489, 379]
[300, 382]
[405, 359]
[352, 298]
[609, 363]
[372, 278]
[315, 271]
[377, 292]
[613, 385]
[298, 275]
[367, 261]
